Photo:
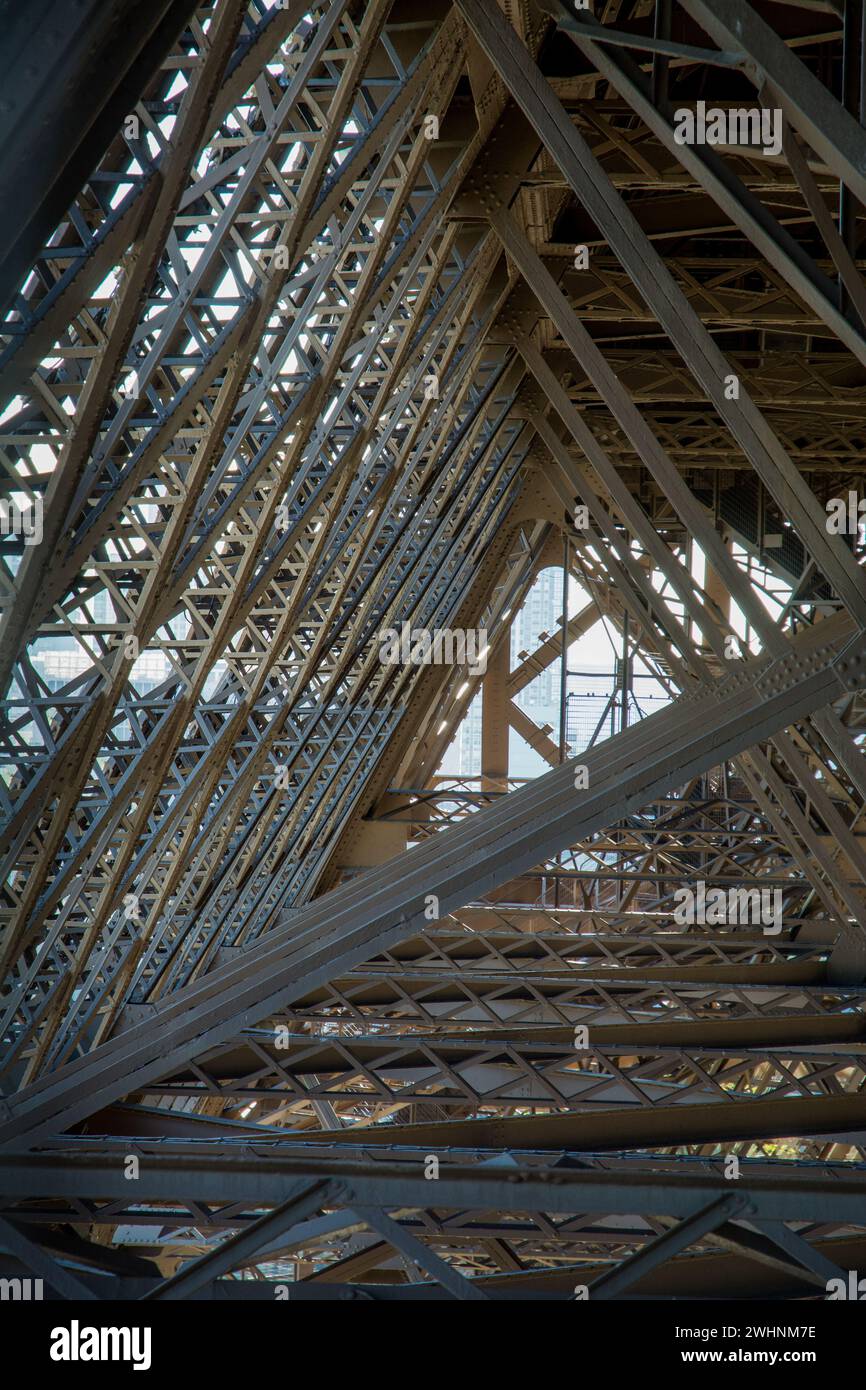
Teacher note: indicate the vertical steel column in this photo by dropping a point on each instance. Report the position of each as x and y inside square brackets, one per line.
[494, 716]
[563, 674]
[661, 63]
[852, 95]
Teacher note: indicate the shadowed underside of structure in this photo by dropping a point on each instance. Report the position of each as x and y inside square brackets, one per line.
[328, 321]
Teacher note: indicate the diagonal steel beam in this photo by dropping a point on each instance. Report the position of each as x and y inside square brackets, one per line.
[306, 1199]
[414, 1249]
[665, 1246]
[41, 1263]
[714, 175]
[652, 278]
[92, 69]
[831, 131]
[388, 904]
[140, 269]
[802, 1253]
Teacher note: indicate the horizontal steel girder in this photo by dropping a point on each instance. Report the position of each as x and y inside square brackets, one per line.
[709, 1276]
[258, 1177]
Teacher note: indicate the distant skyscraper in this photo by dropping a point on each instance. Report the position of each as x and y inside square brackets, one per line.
[590, 716]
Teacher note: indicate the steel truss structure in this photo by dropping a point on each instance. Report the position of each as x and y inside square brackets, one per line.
[325, 318]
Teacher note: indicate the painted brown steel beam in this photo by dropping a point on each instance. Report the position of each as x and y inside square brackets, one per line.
[746, 211]
[545, 655]
[832, 132]
[532, 734]
[636, 1127]
[652, 278]
[495, 715]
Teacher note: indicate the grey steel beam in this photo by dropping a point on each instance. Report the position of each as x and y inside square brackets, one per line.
[68, 297]
[707, 1275]
[256, 1174]
[685, 1233]
[814, 199]
[130, 299]
[308, 1054]
[743, 1240]
[555, 304]
[557, 307]
[414, 1249]
[666, 48]
[623, 499]
[800, 1251]
[576, 482]
[93, 61]
[40, 1263]
[164, 559]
